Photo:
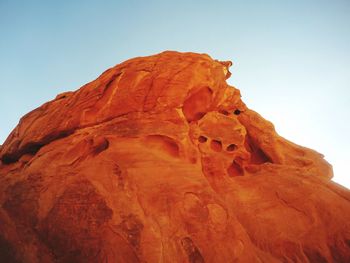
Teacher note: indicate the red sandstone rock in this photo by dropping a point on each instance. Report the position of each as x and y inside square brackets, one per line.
[159, 160]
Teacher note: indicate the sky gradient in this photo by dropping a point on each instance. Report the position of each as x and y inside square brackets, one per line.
[291, 58]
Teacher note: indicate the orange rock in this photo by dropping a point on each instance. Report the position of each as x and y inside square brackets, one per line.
[159, 160]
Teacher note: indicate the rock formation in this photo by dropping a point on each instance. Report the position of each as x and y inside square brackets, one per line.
[159, 160]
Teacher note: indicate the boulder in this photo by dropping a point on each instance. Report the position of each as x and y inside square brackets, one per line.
[159, 160]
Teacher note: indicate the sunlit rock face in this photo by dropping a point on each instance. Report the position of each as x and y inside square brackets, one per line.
[159, 160]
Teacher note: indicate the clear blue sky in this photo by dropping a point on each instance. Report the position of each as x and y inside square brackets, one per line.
[291, 58]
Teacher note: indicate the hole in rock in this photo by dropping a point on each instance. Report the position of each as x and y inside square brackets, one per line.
[100, 145]
[6, 159]
[257, 155]
[30, 148]
[231, 147]
[163, 143]
[224, 112]
[33, 147]
[237, 112]
[202, 139]
[235, 170]
[216, 145]
[197, 104]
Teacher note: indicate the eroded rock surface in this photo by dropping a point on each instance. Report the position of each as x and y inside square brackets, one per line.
[159, 160]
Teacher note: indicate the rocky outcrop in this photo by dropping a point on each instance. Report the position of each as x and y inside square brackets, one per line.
[159, 160]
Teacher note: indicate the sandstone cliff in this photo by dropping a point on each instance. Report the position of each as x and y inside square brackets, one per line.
[159, 160]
